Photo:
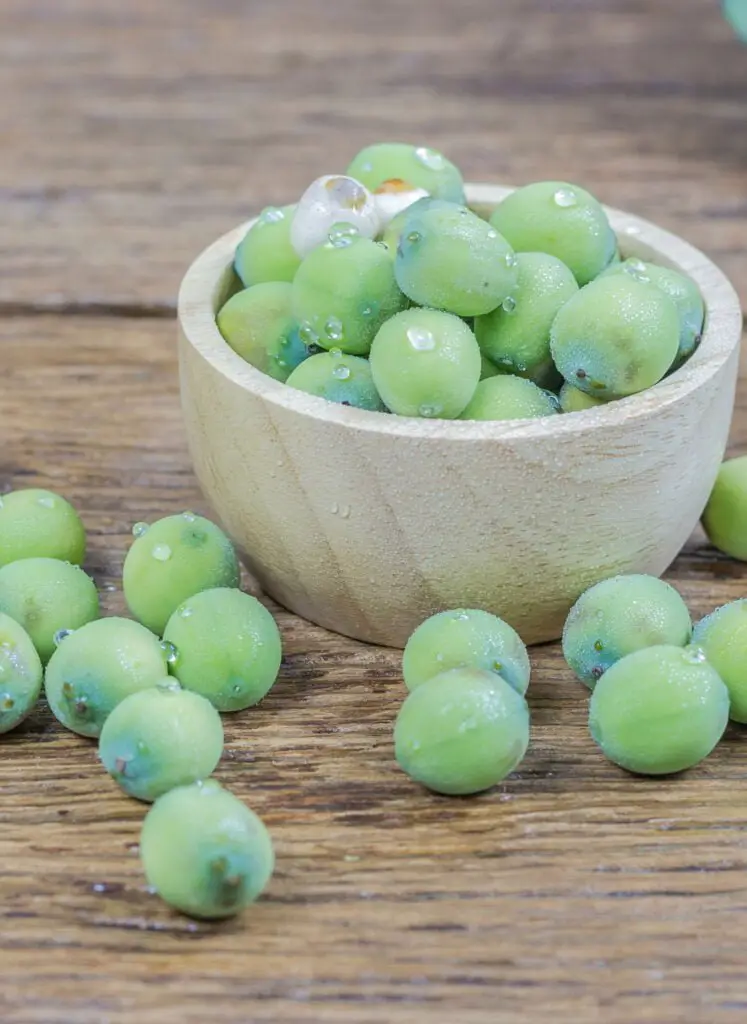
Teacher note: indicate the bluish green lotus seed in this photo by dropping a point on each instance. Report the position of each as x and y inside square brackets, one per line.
[465, 638]
[509, 398]
[46, 596]
[615, 337]
[96, 667]
[516, 335]
[265, 253]
[160, 738]
[449, 258]
[228, 648]
[735, 12]
[258, 325]
[338, 378]
[462, 731]
[172, 560]
[561, 220]
[21, 674]
[40, 524]
[573, 400]
[204, 851]
[621, 615]
[725, 516]
[681, 290]
[659, 710]
[419, 166]
[425, 363]
[722, 635]
[343, 292]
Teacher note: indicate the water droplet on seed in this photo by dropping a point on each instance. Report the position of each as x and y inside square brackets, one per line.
[60, 636]
[492, 234]
[429, 411]
[696, 655]
[510, 260]
[185, 612]
[189, 516]
[430, 158]
[509, 304]
[169, 685]
[342, 235]
[139, 529]
[271, 215]
[161, 552]
[565, 197]
[307, 333]
[169, 649]
[414, 237]
[421, 339]
[461, 615]
[341, 372]
[333, 329]
[46, 501]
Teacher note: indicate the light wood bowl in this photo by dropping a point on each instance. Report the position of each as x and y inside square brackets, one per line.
[367, 523]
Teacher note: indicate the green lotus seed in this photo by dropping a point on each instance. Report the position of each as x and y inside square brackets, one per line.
[461, 732]
[258, 325]
[343, 293]
[725, 516]
[516, 335]
[160, 738]
[39, 524]
[419, 166]
[20, 674]
[465, 638]
[265, 253]
[615, 337]
[561, 220]
[573, 400]
[621, 615]
[47, 596]
[228, 645]
[204, 851]
[338, 378]
[99, 665]
[681, 290]
[509, 398]
[449, 258]
[659, 710]
[170, 561]
[393, 231]
[425, 363]
[722, 635]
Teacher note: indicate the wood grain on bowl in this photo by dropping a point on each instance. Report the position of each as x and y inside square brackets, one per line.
[366, 523]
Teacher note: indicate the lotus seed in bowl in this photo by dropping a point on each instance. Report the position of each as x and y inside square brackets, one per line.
[540, 287]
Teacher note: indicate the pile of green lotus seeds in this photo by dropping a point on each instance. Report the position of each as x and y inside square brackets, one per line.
[382, 289]
[151, 688]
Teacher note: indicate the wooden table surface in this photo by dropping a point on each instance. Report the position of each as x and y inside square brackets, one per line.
[132, 134]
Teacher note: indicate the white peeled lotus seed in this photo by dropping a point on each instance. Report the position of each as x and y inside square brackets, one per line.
[394, 196]
[328, 201]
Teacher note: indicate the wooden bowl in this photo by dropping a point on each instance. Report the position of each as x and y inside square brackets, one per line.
[367, 523]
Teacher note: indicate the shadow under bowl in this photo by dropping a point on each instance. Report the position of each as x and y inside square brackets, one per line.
[366, 523]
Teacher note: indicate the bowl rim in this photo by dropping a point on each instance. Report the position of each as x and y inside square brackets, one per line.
[200, 289]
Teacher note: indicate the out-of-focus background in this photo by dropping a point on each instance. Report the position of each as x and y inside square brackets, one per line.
[134, 132]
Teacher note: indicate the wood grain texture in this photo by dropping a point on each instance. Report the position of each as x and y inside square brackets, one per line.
[132, 135]
[367, 524]
[573, 891]
[136, 133]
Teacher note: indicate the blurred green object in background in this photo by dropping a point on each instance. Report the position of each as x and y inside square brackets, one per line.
[735, 12]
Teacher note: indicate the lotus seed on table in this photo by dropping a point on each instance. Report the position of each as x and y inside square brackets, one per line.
[725, 516]
[47, 597]
[226, 646]
[722, 636]
[160, 738]
[204, 851]
[171, 561]
[97, 666]
[659, 710]
[465, 638]
[621, 615]
[21, 674]
[36, 523]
